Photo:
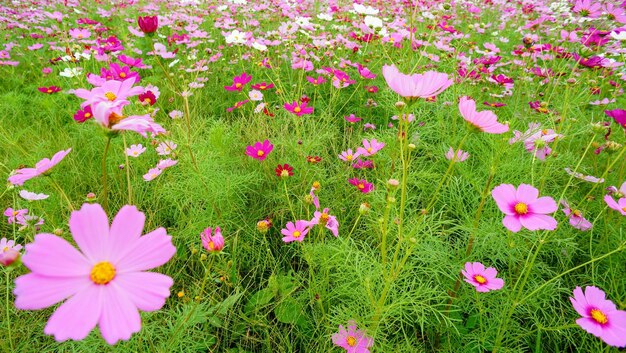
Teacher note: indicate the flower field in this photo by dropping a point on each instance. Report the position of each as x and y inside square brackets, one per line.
[313, 176]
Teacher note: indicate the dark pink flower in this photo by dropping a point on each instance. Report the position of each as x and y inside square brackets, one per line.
[239, 82]
[619, 115]
[49, 90]
[600, 317]
[148, 24]
[298, 108]
[260, 150]
[484, 279]
[362, 185]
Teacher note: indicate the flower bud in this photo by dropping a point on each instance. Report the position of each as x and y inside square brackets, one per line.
[364, 208]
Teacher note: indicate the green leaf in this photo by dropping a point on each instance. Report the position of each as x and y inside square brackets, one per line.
[288, 311]
[228, 303]
[258, 300]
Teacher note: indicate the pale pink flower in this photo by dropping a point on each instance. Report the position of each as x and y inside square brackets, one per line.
[458, 156]
[9, 251]
[485, 121]
[524, 208]
[295, 232]
[106, 281]
[326, 220]
[576, 218]
[370, 148]
[426, 85]
[349, 156]
[352, 339]
[165, 148]
[44, 165]
[152, 174]
[32, 196]
[135, 150]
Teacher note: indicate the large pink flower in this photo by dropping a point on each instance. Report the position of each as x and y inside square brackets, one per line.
[105, 281]
[426, 85]
[110, 91]
[485, 121]
[524, 208]
[600, 317]
[44, 165]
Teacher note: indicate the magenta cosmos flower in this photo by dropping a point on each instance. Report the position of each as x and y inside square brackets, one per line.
[524, 208]
[105, 281]
[44, 165]
[362, 185]
[600, 317]
[352, 340]
[111, 91]
[619, 115]
[576, 218]
[485, 121]
[298, 108]
[370, 148]
[484, 279]
[260, 150]
[212, 242]
[148, 24]
[239, 82]
[456, 156]
[426, 85]
[295, 232]
[326, 220]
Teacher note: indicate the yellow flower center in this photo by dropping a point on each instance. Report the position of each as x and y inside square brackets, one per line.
[349, 157]
[480, 279]
[147, 100]
[296, 234]
[297, 109]
[15, 213]
[87, 115]
[521, 208]
[102, 273]
[110, 96]
[6, 248]
[577, 213]
[284, 173]
[238, 85]
[361, 186]
[351, 341]
[262, 87]
[599, 316]
[49, 90]
[122, 75]
[624, 209]
[369, 150]
[115, 118]
[211, 245]
[324, 218]
[135, 153]
[260, 153]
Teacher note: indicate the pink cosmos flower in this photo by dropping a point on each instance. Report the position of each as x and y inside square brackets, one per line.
[349, 156]
[9, 251]
[363, 164]
[352, 118]
[484, 279]
[212, 243]
[600, 317]
[152, 174]
[106, 281]
[589, 178]
[15, 216]
[370, 148]
[619, 115]
[362, 185]
[485, 121]
[166, 147]
[166, 163]
[352, 340]
[110, 116]
[326, 220]
[83, 115]
[32, 196]
[316, 81]
[110, 91]
[523, 208]
[458, 156]
[298, 108]
[239, 82]
[135, 150]
[537, 143]
[44, 165]
[426, 85]
[259, 150]
[576, 218]
[49, 90]
[295, 232]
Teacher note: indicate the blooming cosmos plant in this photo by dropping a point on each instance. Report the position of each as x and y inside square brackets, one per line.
[9, 251]
[600, 317]
[106, 281]
[295, 231]
[260, 150]
[485, 121]
[352, 340]
[44, 165]
[484, 279]
[212, 242]
[524, 208]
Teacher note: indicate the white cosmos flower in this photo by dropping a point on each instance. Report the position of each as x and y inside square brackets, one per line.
[373, 22]
[71, 72]
[236, 37]
[365, 10]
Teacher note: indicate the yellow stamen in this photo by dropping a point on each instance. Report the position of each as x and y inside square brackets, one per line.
[351, 341]
[297, 109]
[361, 186]
[260, 153]
[238, 85]
[102, 273]
[480, 279]
[521, 208]
[296, 234]
[122, 75]
[599, 316]
[87, 115]
[110, 96]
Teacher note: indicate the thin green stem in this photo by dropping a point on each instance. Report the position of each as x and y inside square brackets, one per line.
[288, 199]
[105, 191]
[128, 185]
[7, 307]
[58, 187]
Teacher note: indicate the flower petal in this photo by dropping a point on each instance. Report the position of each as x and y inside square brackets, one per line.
[149, 251]
[504, 195]
[120, 318]
[512, 223]
[90, 229]
[147, 290]
[544, 205]
[126, 228]
[33, 291]
[77, 316]
[53, 256]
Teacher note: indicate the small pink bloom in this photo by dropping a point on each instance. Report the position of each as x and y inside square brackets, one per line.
[426, 85]
[239, 82]
[326, 220]
[349, 156]
[260, 150]
[15, 216]
[484, 279]
[370, 148]
[600, 317]
[49, 90]
[352, 118]
[352, 340]
[458, 156]
[212, 243]
[135, 150]
[298, 108]
[43, 166]
[106, 281]
[485, 121]
[295, 232]
[576, 218]
[32, 196]
[152, 174]
[166, 163]
[9, 251]
[362, 185]
[524, 208]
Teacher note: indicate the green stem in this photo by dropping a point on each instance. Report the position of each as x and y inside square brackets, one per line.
[128, 185]
[6, 302]
[58, 187]
[105, 191]
[288, 199]
[354, 226]
[188, 123]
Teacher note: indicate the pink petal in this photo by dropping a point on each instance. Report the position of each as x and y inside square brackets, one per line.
[126, 228]
[538, 221]
[77, 316]
[147, 290]
[149, 251]
[526, 194]
[512, 223]
[580, 302]
[495, 284]
[52, 256]
[119, 318]
[478, 268]
[33, 291]
[504, 195]
[544, 205]
[590, 325]
[90, 229]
